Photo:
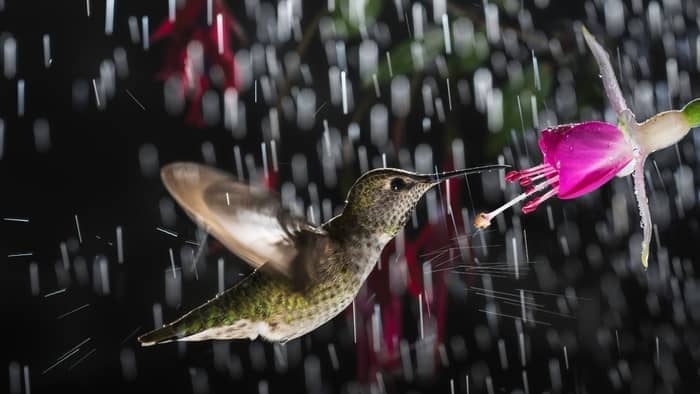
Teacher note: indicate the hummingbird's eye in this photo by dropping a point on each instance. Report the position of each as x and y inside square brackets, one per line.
[397, 184]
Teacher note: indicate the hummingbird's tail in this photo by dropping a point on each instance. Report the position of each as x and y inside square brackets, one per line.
[213, 320]
[159, 335]
[233, 314]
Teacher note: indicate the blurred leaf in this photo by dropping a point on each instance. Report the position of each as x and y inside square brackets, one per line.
[346, 19]
[431, 46]
[524, 88]
[466, 60]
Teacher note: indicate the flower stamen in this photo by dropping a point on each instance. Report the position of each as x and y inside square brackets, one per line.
[532, 205]
[514, 176]
[529, 180]
[483, 219]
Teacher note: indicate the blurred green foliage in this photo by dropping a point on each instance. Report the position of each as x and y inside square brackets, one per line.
[525, 88]
[431, 46]
[349, 16]
[461, 63]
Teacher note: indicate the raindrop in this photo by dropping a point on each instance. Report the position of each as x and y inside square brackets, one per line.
[463, 32]
[312, 373]
[34, 278]
[174, 95]
[128, 364]
[15, 372]
[655, 18]
[400, 96]
[109, 17]
[299, 170]
[494, 108]
[424, 159]
[306, 108]
[2, 138]
[368, 57]
[134, 32]
[9, 55]
[20, 98]
[614, 17]
[46, 41]
[42, 136]
[493, 29]
[211, 111]
[379, 125]
[417, 11]
[107, 80]
[483, 81]
[120, 62]
[148, 160]
[146, 33]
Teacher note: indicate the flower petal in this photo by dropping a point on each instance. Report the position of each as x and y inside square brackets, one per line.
[612, 88]
[586, 155]
[643, 203]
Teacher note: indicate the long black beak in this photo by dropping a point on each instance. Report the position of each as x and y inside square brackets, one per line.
[441, 176]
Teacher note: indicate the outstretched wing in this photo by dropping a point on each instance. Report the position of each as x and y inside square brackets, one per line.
[249, 221]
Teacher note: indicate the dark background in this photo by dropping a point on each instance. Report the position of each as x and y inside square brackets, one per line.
[92, 170]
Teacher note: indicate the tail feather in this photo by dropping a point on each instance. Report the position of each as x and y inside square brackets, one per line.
[219, 318]
[160, 335]
[240, 329]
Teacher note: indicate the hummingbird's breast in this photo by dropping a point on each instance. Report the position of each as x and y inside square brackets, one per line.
[341, 274]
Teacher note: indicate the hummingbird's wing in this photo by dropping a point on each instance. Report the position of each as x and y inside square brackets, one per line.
[249, 221]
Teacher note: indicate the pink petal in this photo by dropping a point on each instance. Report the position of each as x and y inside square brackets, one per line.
[587, 155]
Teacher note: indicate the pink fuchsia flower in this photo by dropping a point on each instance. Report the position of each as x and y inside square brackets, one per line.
[200, 41]
[580, 158]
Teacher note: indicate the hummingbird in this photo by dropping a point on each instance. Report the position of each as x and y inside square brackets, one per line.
[304, 275]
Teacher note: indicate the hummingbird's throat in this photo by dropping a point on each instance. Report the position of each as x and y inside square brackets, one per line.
[392, 231]
[394, 228]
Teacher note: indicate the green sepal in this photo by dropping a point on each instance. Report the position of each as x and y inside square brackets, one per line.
[691, 111]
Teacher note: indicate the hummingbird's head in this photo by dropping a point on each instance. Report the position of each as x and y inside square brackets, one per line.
[382, 200]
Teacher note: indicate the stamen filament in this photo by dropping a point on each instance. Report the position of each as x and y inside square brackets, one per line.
[483, 220]
[527, 181]
[514, 176]
[550, 171]
[532, 205]
[535, 169]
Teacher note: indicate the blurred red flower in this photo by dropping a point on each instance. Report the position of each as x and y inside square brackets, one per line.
[200, 46]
